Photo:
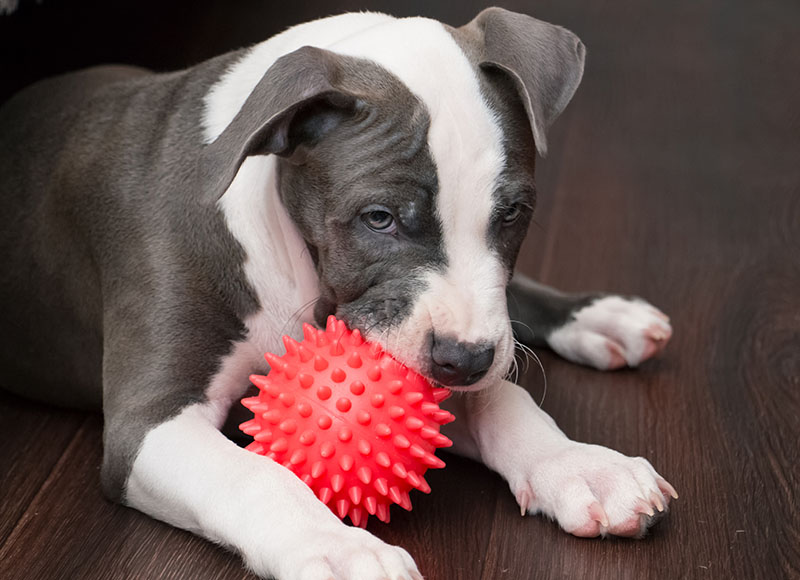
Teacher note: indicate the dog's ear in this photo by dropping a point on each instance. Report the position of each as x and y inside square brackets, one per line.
[544, 61]
[299, 99]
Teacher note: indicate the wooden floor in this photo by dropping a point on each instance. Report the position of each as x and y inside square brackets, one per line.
[674, 175]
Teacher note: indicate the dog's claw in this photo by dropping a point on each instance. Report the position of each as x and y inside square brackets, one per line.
[598, 514]
[661, 315]
[524, 498]
[666, 488]
[616, 357]
[659, 333]
[642, 507]
[657, 500]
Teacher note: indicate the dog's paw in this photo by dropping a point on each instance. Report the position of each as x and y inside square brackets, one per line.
[344, 553]
[595, 491]
[612, 332]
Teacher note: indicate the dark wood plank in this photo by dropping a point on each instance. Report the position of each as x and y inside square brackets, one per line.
[71, 531]
[32, 440]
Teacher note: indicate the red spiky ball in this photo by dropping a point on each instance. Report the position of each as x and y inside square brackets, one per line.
[353, 423]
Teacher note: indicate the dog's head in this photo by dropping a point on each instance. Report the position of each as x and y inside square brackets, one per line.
[406, 156]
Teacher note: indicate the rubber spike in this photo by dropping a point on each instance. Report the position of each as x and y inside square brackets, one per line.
[429, 408]
[383, 459]
[274, 361]
[305, 354]
[320, 364]
[414, 398]
[291, 345]
[325, 494]
[355, 493]
[336, 348]
[330, 325]
[346, 463]
[443, 417]
[428, 433]
[260, 381]
[264, 436]
[318, 469]
[364, 474]
[400, 470]
[250, 427]
[394, 494]
[382, 512]
[371, 503]
[414, 423]
[442, 441]
[356, 517]
[356, 339]
[432, 461]
[382, 486]
[309, 332]
[250, 401]
[440, 394]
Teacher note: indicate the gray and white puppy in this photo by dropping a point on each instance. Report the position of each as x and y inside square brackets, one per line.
[161, 231]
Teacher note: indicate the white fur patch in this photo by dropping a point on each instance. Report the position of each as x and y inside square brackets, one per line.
[189, 475]
[278, 267]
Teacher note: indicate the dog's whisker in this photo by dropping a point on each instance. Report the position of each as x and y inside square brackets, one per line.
[513, 373]
[298, 314]
[544, 377]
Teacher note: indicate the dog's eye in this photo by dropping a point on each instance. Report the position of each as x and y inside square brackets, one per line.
[511, 214]
[380, 221]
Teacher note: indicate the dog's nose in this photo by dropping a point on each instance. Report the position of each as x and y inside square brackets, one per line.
[459, 363]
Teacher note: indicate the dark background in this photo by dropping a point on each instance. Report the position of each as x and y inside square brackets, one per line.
[674, 174]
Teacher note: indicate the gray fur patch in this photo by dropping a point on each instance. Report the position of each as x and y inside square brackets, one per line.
[127, 288]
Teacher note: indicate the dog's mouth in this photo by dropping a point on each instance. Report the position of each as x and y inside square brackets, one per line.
[459, 367]
[461, 343]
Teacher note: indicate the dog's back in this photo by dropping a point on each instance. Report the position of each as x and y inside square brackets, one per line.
[38, 212]
[67, 149]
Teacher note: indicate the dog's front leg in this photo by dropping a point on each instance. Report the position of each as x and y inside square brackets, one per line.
[188, 474]
[589, 489]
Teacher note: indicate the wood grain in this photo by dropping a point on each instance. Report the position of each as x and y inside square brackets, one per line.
[674, 175]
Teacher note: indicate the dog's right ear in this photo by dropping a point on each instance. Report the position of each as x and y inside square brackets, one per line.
[545, 63]
[297, 100]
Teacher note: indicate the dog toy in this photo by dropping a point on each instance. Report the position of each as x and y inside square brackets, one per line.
[357, 426]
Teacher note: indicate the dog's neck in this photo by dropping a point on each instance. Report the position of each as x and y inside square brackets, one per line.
[278, 263]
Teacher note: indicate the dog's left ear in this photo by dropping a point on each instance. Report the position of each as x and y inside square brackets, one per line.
[300, 98]
[544, 61]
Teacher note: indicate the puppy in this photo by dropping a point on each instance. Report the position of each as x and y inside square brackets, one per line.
[161, 231]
